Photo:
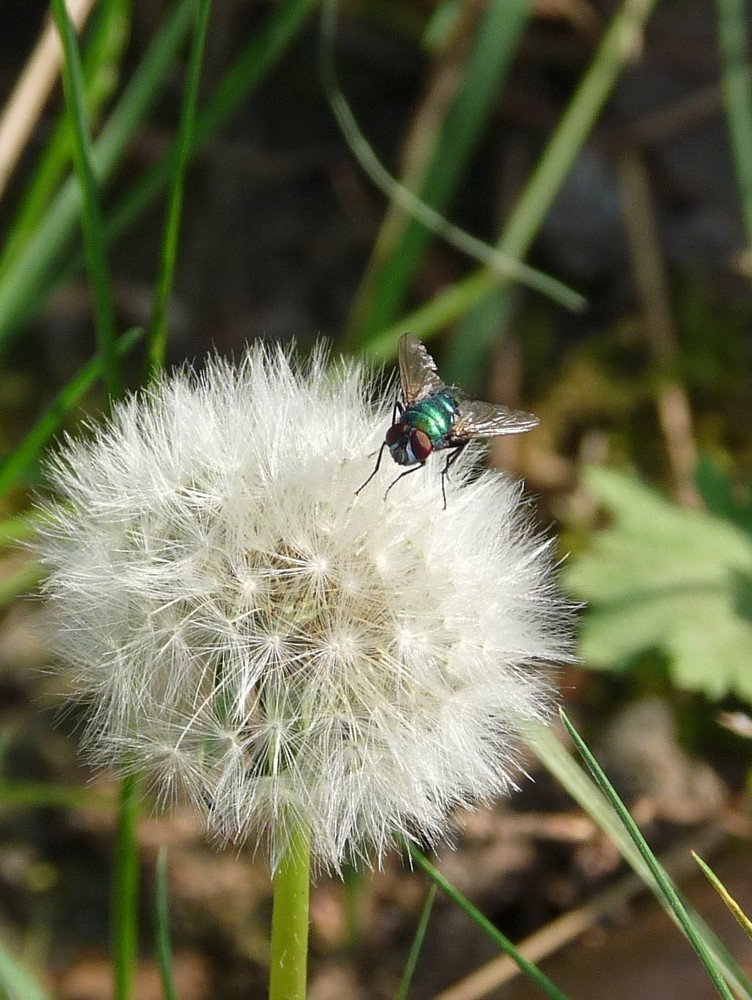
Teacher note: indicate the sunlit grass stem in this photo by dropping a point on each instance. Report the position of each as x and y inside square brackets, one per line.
[91, 213]
[737, 88]
[618, 46]
[157, 347]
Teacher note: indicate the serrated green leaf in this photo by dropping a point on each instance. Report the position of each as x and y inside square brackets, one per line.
[664, 577]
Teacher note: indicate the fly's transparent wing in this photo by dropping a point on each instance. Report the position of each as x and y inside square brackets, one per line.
[417, 370]
[479, 419]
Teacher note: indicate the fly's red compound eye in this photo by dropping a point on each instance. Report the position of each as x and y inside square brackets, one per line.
[395, 433]
[421, 445]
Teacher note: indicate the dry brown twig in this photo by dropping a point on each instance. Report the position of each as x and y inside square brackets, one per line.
[674, 413]
[32, 90]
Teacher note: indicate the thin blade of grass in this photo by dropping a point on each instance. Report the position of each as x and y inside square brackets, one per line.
[162, 926]
[526, 966]
[255, 61]
[420, 934]
[402, 241]
[618, 44]
[49, 267]
[42, 262]
[125, 892]
[734, 44]
[664, 884]
[91, 215]
[503, 265]
[107, 36]
[584, 791]
[733, 907]
[24, 456]
[40, 795]
[157, 344]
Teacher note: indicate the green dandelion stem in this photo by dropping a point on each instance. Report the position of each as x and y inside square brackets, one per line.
[290, 919]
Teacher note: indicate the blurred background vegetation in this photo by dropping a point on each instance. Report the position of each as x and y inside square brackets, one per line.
[354, 176]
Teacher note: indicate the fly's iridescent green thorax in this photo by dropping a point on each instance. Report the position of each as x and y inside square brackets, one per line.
[433, 415]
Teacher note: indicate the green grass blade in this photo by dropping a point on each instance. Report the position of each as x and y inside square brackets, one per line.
[733, 907]
[157, 345]
[502, 264]
[15, 982]
[465, 356]
[664, 884]
[162, 926]
[24, 456]
[255, 61]
[40, 795]
[125, 890]
[442, 310]
[420, 934]
[527, 967]
[258, 57]
[91, 216]
[734, 43]
[583, 790]
[107, 36]
[47, 266]
[403, 241]
[618, 44]
[42, 262]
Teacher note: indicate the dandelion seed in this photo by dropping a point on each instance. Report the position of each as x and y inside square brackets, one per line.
[267, 645]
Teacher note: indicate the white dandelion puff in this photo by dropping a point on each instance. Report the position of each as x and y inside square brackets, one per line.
[260, 640]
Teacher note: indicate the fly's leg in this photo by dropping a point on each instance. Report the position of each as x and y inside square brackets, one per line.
[451, 459]
[402, 475]
[397, 410]
[376, 469]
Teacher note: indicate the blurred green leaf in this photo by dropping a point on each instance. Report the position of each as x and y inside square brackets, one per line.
[15, 981]
[18, 582]
[733, 43]
[718, 493]
[42, 260]
[14, 466]
[47, 261]
[664, 577]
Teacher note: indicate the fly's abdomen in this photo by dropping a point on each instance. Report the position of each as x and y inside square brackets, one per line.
[433, 415]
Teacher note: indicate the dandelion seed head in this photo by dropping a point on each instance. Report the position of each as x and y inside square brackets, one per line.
[273, 648]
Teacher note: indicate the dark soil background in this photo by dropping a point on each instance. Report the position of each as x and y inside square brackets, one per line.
[279, 223]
